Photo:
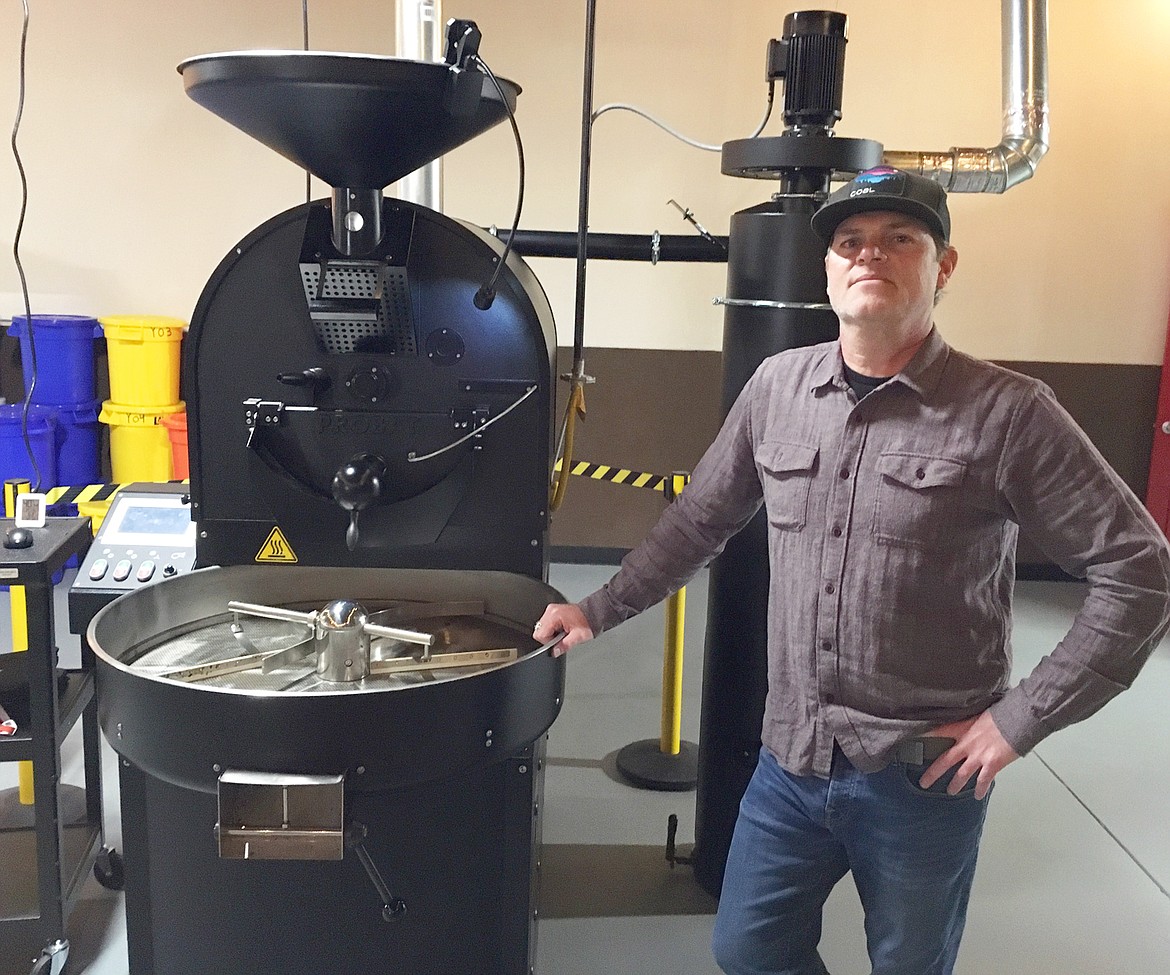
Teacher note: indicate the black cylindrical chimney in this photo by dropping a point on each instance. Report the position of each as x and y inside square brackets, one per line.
[776, 300]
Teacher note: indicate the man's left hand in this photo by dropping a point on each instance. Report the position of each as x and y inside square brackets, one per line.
[979, 749]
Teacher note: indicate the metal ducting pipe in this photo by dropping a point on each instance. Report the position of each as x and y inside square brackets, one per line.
[420, 38]
[1025, 110]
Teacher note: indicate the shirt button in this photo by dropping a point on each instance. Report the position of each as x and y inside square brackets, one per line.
[844, 473]
[826, 644]
[830, 588]
[836, 531]
[920, 473]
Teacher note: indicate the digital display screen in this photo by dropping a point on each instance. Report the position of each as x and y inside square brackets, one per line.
[153, 520]
[139, 520]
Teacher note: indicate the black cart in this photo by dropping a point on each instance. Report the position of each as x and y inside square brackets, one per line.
[63, 847]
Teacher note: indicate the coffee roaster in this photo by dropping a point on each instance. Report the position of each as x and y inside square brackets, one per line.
[331, 732]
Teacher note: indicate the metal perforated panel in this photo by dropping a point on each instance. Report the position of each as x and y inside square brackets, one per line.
[360, 306]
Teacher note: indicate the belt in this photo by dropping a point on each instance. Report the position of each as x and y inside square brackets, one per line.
[921, 751]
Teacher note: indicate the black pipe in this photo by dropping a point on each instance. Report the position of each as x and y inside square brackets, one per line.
[583, 196]
[622, 247]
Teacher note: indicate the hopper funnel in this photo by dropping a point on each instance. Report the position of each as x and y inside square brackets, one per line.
[352, 120]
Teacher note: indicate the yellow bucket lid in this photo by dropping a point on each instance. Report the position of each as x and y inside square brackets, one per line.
[143, 328]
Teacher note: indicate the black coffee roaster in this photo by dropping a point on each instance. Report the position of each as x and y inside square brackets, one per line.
[330, 733]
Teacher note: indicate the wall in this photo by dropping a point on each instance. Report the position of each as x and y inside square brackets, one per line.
[136, 192]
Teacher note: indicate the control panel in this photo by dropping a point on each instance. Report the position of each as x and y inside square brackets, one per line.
[146, 535]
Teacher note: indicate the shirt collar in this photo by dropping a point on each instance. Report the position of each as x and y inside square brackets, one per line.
[922, 374]
[830, 371]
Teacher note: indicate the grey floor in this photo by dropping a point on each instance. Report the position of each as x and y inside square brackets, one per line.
[1073, 878]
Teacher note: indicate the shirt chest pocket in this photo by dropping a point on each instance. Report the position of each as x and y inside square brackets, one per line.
[919, 499]
[786, 472]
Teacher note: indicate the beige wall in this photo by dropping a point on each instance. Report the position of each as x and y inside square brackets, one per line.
[137, 192]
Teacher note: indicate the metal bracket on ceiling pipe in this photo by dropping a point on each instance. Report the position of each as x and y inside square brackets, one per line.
[1024, 26]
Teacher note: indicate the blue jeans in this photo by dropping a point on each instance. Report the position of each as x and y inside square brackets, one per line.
[912, 853]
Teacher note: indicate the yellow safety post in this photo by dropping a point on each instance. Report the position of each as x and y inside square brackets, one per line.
[670, 742]
[19, 613]
[667, 763]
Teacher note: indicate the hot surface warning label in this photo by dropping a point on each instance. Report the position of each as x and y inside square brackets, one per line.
[276, 548]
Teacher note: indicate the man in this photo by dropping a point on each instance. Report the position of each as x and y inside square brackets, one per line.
[896, 473]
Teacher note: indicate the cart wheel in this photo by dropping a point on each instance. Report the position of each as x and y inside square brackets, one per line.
[108, 869]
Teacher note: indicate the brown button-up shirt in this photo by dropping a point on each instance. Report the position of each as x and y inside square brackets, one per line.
[893, 526]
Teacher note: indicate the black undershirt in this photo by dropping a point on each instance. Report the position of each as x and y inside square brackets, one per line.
[863, 385]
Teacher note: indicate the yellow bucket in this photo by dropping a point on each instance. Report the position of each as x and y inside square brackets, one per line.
[140, 449]
[96, 511]
[144, 358]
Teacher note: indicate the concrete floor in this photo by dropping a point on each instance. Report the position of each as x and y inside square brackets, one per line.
[1073, 878]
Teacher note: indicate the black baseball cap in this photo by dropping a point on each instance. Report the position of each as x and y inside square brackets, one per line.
[885, 188]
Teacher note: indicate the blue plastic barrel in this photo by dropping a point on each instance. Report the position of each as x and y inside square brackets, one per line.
[64, 357]
[78, 457]
[42, 436]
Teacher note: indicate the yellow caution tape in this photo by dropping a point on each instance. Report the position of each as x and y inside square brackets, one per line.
[663, 483]
[86, 492]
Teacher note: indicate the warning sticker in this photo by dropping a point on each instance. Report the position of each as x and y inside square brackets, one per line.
[276, 548]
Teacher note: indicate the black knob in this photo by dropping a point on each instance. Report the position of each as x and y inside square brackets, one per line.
[358, 483]
[314, 377]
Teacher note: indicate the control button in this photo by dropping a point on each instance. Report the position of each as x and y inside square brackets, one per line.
[122, 570]
[169, 570]
[98, 569]
[145, 571]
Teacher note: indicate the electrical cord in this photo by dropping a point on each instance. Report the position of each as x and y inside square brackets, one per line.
[487, 292]
[619, 106]
[32, 348]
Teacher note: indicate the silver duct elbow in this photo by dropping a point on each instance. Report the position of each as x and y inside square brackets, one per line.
[1025, 126]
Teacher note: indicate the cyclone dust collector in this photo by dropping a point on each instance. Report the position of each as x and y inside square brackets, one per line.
[775, 300]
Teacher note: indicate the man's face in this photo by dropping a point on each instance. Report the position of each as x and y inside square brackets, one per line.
[882, 268]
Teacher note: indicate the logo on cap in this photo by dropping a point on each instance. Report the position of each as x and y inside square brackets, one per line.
[882, 179]
[879, 174]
